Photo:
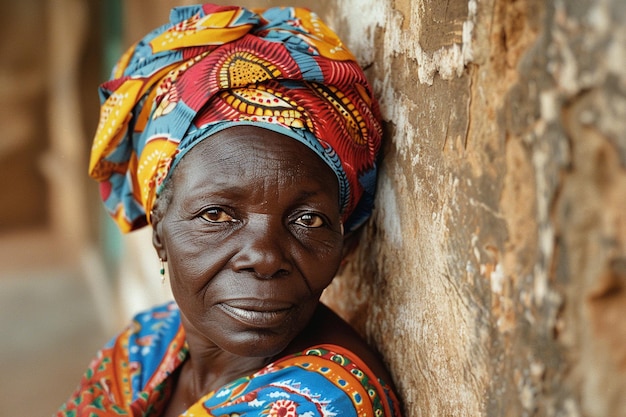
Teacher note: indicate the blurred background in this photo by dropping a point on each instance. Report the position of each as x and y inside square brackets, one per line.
[510, 302]
[68, 280]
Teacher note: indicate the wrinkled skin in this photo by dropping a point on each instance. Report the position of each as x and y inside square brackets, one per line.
[252, 236]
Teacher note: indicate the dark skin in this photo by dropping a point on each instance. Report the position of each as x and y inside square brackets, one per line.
[252, 234]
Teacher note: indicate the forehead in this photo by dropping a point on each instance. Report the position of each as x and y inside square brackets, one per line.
[243, 155]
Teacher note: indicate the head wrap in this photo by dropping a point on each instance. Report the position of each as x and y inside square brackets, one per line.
[213, 67]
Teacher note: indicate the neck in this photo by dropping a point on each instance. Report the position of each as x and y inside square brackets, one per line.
[209, 367]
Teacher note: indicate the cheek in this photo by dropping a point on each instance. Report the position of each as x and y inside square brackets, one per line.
[192, 258]
[322, 264]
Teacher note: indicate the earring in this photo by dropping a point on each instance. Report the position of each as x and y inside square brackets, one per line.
[162, 271]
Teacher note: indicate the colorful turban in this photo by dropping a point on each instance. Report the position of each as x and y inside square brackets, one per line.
[213, 67]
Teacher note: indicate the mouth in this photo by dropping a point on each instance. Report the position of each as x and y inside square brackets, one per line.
[257, 313]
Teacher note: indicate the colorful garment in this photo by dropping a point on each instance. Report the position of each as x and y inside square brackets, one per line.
[130, 377]
[211, 67]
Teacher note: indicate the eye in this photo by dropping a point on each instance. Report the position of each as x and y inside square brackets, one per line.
[216, 215]
[310, 220]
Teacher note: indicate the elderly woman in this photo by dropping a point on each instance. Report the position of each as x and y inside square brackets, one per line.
[248, 142]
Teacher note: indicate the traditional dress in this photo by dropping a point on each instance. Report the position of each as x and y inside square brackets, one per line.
[131, 377]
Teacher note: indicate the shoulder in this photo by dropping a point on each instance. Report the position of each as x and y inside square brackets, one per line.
[154, 344]
[154, 323]
[141, 354]
[327, 328]
[149, 349]
[152, 337]
[323, 380]
[147, 329]
[330, 350]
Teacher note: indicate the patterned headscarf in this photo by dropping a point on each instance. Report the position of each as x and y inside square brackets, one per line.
[213, 67]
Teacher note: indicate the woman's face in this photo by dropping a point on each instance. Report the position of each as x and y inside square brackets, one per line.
[252, 235]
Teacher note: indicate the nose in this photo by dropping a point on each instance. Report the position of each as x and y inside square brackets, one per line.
[263, 248]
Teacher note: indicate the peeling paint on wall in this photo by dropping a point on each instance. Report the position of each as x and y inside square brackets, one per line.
[492, 270]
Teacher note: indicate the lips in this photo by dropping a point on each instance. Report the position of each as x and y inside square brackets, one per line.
[257, 313]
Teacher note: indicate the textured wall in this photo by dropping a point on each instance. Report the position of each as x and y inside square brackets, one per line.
[493, 274]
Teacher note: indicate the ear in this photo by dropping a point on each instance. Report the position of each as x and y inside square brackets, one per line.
[157, 236]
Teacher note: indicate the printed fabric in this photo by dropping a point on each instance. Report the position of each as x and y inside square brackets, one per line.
[213, 67]
[129, 377]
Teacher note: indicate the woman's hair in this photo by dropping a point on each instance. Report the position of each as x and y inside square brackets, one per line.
[162, 201]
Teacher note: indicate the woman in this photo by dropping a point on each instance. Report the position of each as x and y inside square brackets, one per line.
[248, 142]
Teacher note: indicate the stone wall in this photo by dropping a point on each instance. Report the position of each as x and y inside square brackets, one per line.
[492, 276]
